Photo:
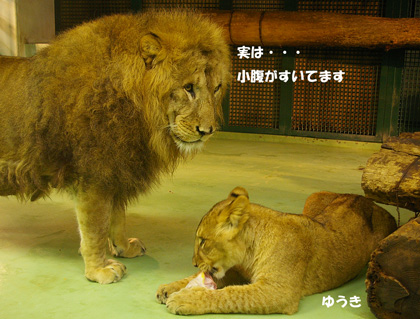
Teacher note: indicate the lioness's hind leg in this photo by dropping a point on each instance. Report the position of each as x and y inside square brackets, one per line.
[94, 216]
[119, 244]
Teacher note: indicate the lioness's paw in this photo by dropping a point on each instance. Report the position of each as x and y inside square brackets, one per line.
[190, 301]
[164, 291]
[112, 272]
[134, 248]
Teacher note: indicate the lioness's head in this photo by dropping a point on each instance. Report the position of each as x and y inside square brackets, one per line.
[217, 244]
[187, 65]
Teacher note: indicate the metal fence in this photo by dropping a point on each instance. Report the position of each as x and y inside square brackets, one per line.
[376, 97]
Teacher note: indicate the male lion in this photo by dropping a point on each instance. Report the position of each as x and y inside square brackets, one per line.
[103, 111]
[268, 260]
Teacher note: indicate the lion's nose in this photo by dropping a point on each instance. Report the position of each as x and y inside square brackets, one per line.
[204, 130]
[195, 264]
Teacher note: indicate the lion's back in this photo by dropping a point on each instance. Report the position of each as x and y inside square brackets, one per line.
[349, 211]
[349, 228]
[14, 72]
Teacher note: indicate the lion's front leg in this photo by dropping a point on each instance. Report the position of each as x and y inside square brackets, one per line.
[94, 217]
[257, 298]
[119, 244]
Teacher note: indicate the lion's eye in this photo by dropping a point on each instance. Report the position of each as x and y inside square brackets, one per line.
[202, 241]
[190, 89]
[217, 88]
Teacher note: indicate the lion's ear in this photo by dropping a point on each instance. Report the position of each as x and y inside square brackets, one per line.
[233, 217]
[149, 47]
[238, 191]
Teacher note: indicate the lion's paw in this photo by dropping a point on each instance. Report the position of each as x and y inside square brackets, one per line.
[190, 301]
[112, 272]
[164, 291]
[135, 248]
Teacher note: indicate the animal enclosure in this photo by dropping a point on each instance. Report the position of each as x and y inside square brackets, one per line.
[328, 91]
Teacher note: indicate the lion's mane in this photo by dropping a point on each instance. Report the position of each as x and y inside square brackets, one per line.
[87, 112]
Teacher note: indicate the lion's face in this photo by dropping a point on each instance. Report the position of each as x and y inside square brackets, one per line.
[217, 245]
[189, 76]
[194, 105]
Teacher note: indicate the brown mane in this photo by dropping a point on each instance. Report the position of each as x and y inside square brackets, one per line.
[85, 113]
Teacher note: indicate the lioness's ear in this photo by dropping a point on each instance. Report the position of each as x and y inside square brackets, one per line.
[238, 191]
[233, 217]
[149, 47]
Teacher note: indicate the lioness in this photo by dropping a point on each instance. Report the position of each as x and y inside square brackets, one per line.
[103, 111]
[268, 260]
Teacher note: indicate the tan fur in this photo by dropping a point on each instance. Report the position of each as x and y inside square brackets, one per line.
[264, 261]
[103, 111]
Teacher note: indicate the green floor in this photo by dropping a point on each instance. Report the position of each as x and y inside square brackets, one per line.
[41, 273]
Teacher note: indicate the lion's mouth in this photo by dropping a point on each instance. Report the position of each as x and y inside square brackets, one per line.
[188, 142]
[181, 140]
[216, 273]
[212, 271]
[187, 147]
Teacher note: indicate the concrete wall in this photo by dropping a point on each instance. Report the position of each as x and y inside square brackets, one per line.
[25, 23]
[8, 28]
